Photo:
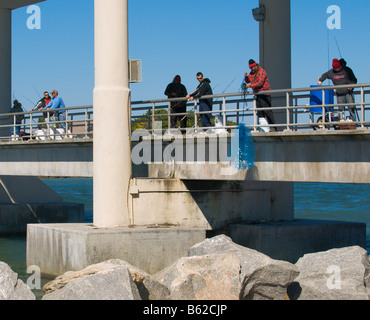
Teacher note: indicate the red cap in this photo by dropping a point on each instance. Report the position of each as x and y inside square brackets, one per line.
[336, 64]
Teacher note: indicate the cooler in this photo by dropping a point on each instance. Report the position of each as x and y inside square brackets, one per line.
[316, 99]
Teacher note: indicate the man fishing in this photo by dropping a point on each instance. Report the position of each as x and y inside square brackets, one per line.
[257, 80]
[203, 89]
[340, 76]
[177, 90]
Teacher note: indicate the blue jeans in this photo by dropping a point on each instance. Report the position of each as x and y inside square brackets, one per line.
[17, 129]
[205, 118]
[347, 98]
[62, 117]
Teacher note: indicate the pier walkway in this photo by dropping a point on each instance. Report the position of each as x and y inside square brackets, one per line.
[301, 150]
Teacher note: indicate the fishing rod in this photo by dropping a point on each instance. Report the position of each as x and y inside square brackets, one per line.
[212, 90]
[33, 120]
[37, 92]
[193, 108]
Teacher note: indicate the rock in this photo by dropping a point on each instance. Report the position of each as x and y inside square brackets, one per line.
[269, 282]
[12, 288]
[208, 277]
[148, 288]
[112, 285]
[336, 274]
[261, 277]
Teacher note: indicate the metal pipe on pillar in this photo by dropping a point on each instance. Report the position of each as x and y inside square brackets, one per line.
[112, 143]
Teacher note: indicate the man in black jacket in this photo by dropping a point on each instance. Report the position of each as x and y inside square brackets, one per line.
[177, 90]
[41, 105]
[340, 76]
[203, 89]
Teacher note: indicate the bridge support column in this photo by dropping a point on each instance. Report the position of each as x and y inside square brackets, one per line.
[5, 65]
[112, 145]
[275, 49]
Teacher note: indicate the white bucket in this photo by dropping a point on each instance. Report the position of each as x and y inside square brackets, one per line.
[262, 122]
[40, 135]
[219, 125]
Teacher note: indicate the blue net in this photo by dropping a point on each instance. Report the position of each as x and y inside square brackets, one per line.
[242, 149]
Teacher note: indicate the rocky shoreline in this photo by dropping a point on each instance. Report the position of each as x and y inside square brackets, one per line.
[215, 269]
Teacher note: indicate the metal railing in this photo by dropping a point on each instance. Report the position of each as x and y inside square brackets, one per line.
[291, 108]
[44, 125]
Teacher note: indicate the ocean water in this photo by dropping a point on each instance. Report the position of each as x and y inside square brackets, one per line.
[325, 201]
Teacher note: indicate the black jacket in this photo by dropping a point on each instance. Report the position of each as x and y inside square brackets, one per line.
[204, 89]
[176, 90]
[40, 104]
[340, 77]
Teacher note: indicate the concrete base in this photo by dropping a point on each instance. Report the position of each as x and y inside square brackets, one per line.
[15, 217]
[210, 205]
[57, 248]
[291, 240]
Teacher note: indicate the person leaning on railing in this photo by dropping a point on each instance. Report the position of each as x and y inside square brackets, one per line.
[341, 76]
[57, 103]
[176, 89]
[203, 89]
[41, 105]
[17, 107]
[259, 82]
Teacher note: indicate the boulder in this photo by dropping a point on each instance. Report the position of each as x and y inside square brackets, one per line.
[112, 285]
[147, 287]
[12, 288]
[336, 274]
[208, 277]
[261, 277]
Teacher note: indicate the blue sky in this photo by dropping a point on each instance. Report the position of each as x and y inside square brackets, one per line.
[183, 37]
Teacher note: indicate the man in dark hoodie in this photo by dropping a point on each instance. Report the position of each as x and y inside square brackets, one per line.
[203, 89]
[177, 90]
[340, 76]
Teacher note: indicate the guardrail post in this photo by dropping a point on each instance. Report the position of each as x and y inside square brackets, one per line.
[362, 107]
[153, 117]
[254, 115]
[67, 126]
[169, 116]
[31, 126]
[224, 112]
[323, 110]
[195, 115]
[86, 123]
[48, 126]
[287, 111]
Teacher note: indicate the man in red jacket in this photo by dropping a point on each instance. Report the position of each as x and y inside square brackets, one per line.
[259, 82]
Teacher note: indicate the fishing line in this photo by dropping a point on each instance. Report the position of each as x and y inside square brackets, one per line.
[338, 47]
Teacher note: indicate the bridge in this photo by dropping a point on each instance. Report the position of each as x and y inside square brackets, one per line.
[127, 208]
[301, 151]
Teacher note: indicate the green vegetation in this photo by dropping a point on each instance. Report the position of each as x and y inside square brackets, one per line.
[145, 121]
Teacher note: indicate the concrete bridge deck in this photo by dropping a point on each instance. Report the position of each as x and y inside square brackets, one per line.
[341, 156]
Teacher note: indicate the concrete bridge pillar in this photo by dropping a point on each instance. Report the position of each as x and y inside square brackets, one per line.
[275, 49]
[5, 65]
[112, 143]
